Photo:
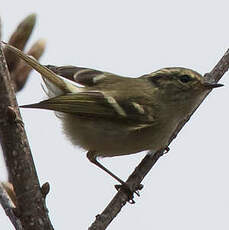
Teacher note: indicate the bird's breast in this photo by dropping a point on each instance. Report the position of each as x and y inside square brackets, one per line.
[111, 138]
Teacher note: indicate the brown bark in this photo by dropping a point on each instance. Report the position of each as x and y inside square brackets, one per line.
[31, 208]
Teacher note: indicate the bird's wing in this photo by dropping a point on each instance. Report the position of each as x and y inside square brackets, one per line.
[84, 76]
[96, 104]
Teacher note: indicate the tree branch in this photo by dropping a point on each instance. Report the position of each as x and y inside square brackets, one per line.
[134, 180]
[31, 208]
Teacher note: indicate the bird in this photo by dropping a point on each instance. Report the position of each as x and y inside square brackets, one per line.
[110, 115]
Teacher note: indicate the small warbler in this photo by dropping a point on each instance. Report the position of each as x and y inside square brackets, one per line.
[110, 115]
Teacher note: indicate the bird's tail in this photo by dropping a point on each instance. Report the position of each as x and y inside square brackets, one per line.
[50, 78]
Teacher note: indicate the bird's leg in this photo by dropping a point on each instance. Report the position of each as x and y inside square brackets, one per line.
[92, 157]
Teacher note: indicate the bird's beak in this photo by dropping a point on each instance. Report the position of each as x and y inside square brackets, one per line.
[211, 85]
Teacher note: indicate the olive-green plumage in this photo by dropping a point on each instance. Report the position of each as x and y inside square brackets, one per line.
[111, 115]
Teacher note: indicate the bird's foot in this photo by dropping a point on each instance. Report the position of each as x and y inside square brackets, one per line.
[128, 191]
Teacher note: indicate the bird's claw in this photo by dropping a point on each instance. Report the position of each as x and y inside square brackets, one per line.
[166, 150]
[126, 188]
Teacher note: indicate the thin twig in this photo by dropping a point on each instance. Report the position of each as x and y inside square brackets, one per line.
[134, 180]
[8, 206]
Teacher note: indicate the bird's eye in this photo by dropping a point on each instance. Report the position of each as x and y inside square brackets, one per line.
[185, 78]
